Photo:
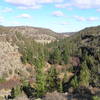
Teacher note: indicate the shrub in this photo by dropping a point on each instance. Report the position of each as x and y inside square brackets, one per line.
[96, 98]
[75, 82]
[2, 80]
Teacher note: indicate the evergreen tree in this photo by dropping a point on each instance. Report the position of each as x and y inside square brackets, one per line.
[40, 76]
[65, 56]
[60, 85]
[52, 79]
[75, 82]
[53, 82]
[84, 75]
[55, 57]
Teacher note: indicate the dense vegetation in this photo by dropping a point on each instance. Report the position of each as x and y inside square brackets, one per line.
[78, 55]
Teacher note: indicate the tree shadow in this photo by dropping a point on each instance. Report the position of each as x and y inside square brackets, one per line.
[81, 93]
[29, 91]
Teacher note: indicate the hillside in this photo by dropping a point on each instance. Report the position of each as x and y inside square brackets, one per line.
[62, 70]
[41, 35]
[82, 58]
[88, 39]
[85, 45]
[10, 62]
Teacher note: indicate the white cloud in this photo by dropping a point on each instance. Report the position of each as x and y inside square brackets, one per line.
[22, 2]
[86, 3]
[92, 19]
[50, 1]
[79, 18]
[64, 23]
[63, 5]
[76, 3]
[98, 10]
[1, 19]
[30, 7]
[26, 16]
[31, 2]
[7, 9]
[83, 4]
[69, 8]
[58, 14]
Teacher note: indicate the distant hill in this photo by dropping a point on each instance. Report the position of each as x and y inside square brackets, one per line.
[41, 35]
[88, 37]
[68, 33]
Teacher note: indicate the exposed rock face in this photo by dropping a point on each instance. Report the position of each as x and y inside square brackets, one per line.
[10, 62]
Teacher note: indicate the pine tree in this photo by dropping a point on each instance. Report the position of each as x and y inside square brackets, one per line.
[84, 75]
[65, 56]
[40, 76]
[52, 79]
[53, 82]
[75, 82]
[56, 56]
[60, 85]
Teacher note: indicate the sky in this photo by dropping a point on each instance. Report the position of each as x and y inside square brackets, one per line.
[58, 15]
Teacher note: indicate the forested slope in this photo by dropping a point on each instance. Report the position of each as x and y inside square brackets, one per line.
[69, 65]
